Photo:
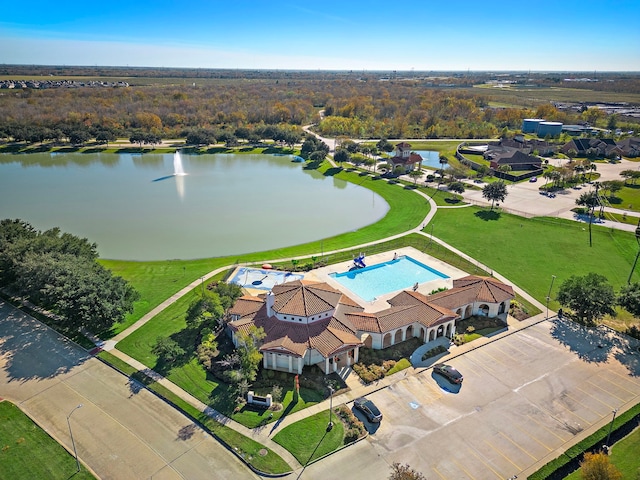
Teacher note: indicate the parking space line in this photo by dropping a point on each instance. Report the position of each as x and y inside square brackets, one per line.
[550, 431]
[485, 463]
[609, 392]
[461, 467]
[503, 455]
[587, 394]
[633, 394]
[624, 380]
[518, 446]
[533, 438]
[439, 474]
[582, 405]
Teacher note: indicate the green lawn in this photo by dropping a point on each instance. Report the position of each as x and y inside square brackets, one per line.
[624, 455]
[308, 439]
[262, 458]
[529, 251]
[28, 452]
[627, 199]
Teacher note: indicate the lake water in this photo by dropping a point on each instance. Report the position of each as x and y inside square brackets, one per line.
[134, 208]
[430, 158]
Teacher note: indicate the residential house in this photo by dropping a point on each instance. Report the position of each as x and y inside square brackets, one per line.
[594, 147]
[630, 147]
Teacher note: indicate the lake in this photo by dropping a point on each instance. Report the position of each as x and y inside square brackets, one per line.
[430, 158]
[135, 208]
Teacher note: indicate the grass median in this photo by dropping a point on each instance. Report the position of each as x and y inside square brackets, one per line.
[29, 452]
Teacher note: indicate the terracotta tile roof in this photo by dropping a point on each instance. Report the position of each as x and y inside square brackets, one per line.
[324, 336]
[406, 308]
[304, 299]
[328, 336]
[488, 289]
[246, 305]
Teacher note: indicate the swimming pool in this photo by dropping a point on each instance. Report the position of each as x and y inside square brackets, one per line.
[262, 279]
[399, 274]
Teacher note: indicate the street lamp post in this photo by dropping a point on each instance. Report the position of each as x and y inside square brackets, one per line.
[610, 428]
[202, 283]
[553, 277]
[73, 443]
[330, 425]
[637, 254]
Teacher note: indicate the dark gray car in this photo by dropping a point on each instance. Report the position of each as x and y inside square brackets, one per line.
[367, 407]
[451, 374]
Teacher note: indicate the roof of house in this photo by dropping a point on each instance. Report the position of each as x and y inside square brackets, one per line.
[304, 298]
[403, 146]
[513, 157]
[473, 288]
[411, 159]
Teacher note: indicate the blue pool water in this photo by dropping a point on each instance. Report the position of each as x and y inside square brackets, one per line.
[400, 274]
[263, 279]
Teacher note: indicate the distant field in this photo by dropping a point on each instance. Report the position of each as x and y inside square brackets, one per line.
[530, 96]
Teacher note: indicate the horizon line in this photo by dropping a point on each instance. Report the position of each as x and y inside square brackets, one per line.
[412, 70]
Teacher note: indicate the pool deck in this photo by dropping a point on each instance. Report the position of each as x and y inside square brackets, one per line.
[380, 303]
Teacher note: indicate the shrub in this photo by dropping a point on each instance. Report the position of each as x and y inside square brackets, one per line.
[433, 352]
[354, 427]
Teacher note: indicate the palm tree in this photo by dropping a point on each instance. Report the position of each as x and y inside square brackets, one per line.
[589, 200]
[443, 161]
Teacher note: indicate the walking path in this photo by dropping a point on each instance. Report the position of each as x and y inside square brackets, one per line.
[356, 387]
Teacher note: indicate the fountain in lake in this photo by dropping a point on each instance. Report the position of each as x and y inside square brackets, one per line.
[178, 169]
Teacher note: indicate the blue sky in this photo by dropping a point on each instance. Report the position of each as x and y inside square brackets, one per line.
[558, 35]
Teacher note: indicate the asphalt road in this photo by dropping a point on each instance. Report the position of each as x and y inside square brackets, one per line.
[525, 398]
[122, 430]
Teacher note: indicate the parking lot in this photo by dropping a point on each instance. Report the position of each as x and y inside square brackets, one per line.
[525, 399]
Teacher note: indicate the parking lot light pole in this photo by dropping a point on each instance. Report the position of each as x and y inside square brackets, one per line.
[610, 428]
[73, 443]
[330, 425]
[553, 277]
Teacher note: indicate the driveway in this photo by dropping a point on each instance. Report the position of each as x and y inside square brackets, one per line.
[526, 397]
[122, 430]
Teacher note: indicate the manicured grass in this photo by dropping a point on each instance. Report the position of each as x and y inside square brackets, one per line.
[624, 455]
[627, 199]
[157, 281]
[530, 251]
[308, 439]
[399, 366]
[29, 452]
[262, 458]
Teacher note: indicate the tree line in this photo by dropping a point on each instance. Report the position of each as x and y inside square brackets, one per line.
[60, 273]
[356, 107]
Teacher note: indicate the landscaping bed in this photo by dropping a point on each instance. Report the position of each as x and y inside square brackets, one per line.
[376, 364]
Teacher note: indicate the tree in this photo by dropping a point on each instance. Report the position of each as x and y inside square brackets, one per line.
[404, 472]
[341, 156]
[276, 393]
[167, 349]
[456, 187]
[205, 310]
[496, 192]
[443, 161]
[415, 174]
[105, 136]
[590, 201]
[629, 298]
[590, 297]
[208, 348]
[596, 466]
[384, 146]
[249, 353]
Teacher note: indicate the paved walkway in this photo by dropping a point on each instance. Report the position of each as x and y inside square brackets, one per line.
[357, 388]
